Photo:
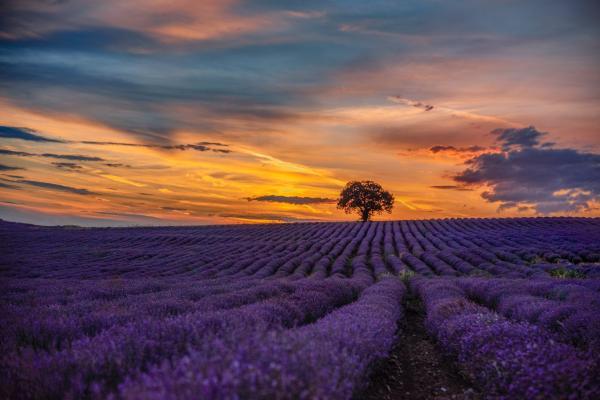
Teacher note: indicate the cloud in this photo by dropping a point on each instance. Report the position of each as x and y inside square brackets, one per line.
[451, 187]
[8, 186]
[13, 132]
[135, 217]
[54, 186]
[470, 149]
[214, 144]
[528, 174]
[238, 177]
[412, 103]
[421, 134]
[202, 146]
[117, 165]
[264, 217]
[95, 87]
[8, 168]
[519, 137]
[16, 153]
[224, 151]
[21, 213]
[72, 157]
[66, 165]
[291, 199]
[174, 209]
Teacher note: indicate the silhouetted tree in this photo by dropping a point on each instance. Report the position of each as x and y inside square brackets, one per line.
[366, 198]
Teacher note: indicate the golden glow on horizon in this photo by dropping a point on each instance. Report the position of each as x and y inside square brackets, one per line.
[206, 187]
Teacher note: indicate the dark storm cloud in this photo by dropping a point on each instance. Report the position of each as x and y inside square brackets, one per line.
[8, 168]
[14, 132]
[291, 199]
[57, 187]
[528, 174]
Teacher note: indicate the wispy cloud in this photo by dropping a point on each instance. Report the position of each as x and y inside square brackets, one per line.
[451, 111]
[57, 187]
[264, 217]
[117, 165]
[291, 199]
[178, 209]
[453, 149]
[451, 187]
[67, 165]
[73, 157]
[8, 186]
[201, 146]
[121, 179]
[130, 216]
[172, 23]
[412, 103]
[8, 168]
[13, 132]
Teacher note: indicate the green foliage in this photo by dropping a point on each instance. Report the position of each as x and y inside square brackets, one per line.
[406, 275]
[564, 273]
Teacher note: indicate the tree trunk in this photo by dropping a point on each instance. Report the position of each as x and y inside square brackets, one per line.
[364, 215]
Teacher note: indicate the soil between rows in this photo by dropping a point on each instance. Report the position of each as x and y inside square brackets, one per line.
[416, 369]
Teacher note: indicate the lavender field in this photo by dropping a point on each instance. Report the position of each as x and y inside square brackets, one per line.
[298, 311]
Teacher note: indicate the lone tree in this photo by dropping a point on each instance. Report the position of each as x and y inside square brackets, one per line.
[366, 198]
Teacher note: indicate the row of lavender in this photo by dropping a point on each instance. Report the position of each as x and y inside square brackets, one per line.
[525, 339]
[268, 341]
[515, 338]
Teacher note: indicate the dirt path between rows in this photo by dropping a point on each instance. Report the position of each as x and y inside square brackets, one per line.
[416, 369]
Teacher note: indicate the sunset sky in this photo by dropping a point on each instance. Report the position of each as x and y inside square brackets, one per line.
[158, 112]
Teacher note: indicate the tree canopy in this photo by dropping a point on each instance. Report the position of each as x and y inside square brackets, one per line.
[365, 198]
